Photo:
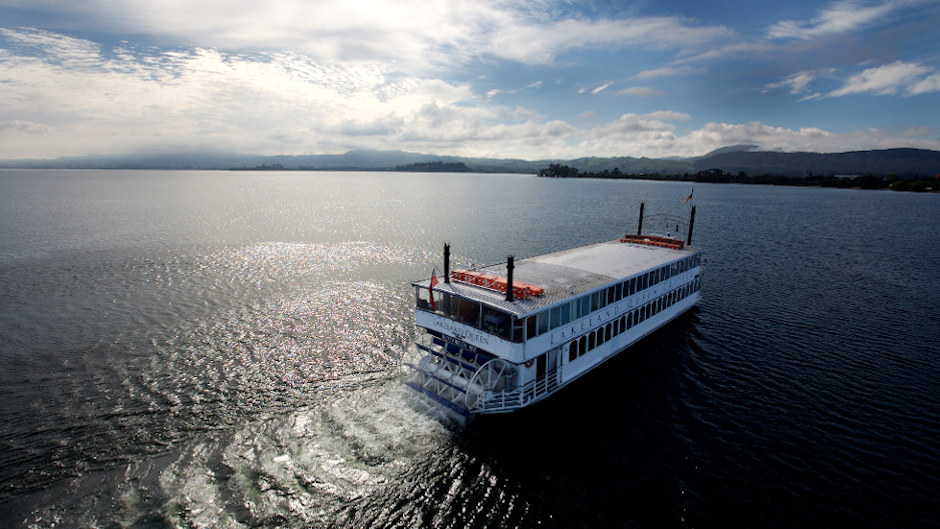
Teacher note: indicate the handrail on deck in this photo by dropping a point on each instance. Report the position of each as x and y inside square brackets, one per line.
[522, 395]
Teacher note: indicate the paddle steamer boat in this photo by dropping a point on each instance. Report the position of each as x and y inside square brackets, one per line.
[503, 337]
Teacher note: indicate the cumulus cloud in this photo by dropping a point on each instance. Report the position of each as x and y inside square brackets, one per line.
[113, 102]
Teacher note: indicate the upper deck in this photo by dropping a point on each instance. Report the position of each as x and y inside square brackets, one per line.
[567, 273]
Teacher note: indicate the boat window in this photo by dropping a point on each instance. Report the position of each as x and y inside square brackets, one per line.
[554, 318]
[465, 310]
[518, 328]
[611, 294]
[592, 340]
[421, 298]
[585, 306]
[496, 322]
[618, 291]
[595, 301]
[530, 327]
[573, 351]
[542, 322]
[566, 313]
[608, 333]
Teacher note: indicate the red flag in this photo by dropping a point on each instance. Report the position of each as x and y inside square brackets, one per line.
[431, 287]
[689, 197]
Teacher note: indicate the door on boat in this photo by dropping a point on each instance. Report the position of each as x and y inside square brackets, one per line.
[547, 363]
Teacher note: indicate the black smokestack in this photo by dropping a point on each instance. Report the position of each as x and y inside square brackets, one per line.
[509, 266]
[447, 262]
[639, 226]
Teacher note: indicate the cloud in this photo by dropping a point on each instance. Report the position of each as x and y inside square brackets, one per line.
[412, 34]
[18, 126]
[669, 71]
[899, 76]
[535, 41]
[126, 99]
[601, 88]
[641, 91]
[83, 97]
[794, 84]
[839, 17]
[928, 84]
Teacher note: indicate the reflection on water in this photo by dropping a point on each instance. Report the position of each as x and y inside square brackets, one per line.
[219, 350]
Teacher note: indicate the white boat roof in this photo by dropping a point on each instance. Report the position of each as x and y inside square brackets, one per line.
[566, 274]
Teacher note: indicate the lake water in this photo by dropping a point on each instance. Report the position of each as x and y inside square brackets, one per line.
[218, 349]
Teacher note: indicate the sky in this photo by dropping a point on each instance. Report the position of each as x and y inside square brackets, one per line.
[533, 80]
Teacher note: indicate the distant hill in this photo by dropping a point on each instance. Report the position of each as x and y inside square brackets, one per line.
[905, 163]
[900, 162]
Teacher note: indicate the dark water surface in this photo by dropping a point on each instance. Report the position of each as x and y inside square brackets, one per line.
[217, 349]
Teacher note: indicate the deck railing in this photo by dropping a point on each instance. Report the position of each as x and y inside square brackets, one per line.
[520, 396]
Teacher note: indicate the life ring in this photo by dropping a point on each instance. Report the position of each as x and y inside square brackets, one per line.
[530, 363]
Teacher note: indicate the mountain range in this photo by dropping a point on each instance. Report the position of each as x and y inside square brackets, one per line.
[905, 163]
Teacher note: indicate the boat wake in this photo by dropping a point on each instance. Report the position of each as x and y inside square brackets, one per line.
[295, 469]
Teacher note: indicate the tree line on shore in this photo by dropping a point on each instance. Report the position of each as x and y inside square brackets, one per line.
[719, 176]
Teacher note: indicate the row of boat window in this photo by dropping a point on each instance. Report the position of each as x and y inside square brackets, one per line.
[586, 343]
[497, 322]
[557, 316]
